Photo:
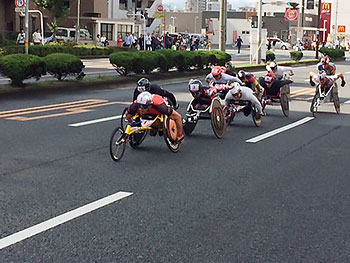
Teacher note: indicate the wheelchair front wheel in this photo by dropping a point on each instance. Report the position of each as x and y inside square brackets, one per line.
[117, 144]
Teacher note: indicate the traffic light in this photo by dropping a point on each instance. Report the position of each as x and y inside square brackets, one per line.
[293, 5]
[310, 4]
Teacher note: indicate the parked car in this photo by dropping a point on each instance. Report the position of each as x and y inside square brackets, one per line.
[68, 34]
[280, 44]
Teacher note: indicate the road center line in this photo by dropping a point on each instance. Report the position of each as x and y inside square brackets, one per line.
[79, 124]
[280, 130]
[61, 219]
[347, 102]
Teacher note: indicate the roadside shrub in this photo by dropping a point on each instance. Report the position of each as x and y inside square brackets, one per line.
[169, 55]
[144, 61]
[221, 57]
[333, 53]
[122, 62]
[19, 67]
[296, 55]
[180, 62]
[162, 63]
[198, 61]
[270, 56]
[62, 65]
[204, 56]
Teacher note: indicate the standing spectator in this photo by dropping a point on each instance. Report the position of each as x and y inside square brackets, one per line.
[141, 42]
[133, 40]
[128, 40]
[239, 43]
[103, 41]
[269, 44]
[196, 44]
[168, 40]
[98, 40]
[154, 44]
[21, 37]
[274, 45]
[120, 41]
[148, 42]
[37, 37]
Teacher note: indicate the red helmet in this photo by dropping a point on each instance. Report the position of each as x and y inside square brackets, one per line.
[325, 60]
[216, 71]
[223, 69]
[269, 78]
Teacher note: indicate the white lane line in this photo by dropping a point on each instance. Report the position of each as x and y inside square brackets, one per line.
[280, 130]
[347, 72]
[347, 102]
[61, 219]
[84, 123]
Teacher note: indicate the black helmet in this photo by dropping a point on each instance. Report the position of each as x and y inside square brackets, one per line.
[241, 74]
[195, 86]
[143, 85]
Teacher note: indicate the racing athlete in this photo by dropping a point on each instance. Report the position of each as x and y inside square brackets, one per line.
[146, 103]
[218, 77]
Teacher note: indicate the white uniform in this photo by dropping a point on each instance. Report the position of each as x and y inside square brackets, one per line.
[247, 94]
[223, 80]
[281, 70]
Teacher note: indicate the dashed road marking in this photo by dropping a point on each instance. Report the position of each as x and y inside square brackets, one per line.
[280, 130]
[61, 219]
[85, 123]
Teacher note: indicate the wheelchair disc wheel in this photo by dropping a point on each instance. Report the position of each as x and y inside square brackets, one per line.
[256, 117]
[137, 138]
[117, 144]
[228, 118]
[170, 134]
[218, 122]
[285, 104]
[336, 100]
[123, 120]
[189, 126]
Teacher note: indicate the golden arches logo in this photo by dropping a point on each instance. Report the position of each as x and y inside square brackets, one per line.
[326, 6]
[341, 29]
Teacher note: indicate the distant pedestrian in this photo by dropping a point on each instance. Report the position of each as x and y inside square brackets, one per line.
[120, 41]
[103, 41]
[21, 37]
[37, 37]
[239, 43]
[98, 40]
[274, 45]
[148, 42]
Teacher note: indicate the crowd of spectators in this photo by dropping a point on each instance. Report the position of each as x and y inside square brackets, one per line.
[155, 41]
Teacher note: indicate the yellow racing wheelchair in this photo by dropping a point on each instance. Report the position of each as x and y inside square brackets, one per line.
[134, 134]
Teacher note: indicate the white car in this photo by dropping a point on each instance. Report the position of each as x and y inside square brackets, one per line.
[280, 44]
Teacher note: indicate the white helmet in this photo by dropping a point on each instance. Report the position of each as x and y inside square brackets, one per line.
[322, 75]
[144, 99]
[236, 88]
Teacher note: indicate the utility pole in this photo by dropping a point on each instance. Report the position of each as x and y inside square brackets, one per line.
[77, 29]
[259, 32]
[318, 28]
[26, 43]
[302, 13]
[222, 35]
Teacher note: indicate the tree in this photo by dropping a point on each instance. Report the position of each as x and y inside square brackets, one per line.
[58, 8]
[53, 27]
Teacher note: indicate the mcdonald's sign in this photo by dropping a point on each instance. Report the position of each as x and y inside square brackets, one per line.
[326, 7]
[341, 29]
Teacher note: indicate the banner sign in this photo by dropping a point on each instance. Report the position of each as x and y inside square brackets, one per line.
[326, 14]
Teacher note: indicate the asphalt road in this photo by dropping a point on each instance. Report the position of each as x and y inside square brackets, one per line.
[283, 199]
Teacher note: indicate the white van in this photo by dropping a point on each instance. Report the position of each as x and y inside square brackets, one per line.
[66, 34]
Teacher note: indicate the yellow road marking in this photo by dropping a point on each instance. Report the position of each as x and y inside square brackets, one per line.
[70, 108]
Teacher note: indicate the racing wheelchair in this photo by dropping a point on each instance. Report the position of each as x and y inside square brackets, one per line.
[281, 97]
[244, 106]
[320, 97]
[135, 132]
[214, 112]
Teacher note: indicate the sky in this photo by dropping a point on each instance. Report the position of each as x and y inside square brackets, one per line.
[235, 3]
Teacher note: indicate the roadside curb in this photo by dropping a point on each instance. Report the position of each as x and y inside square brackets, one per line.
[118, 81]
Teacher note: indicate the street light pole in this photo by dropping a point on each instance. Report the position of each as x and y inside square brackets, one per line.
[195, 24]
[26, 43]
[318, 28]
[222, 34]
[259, 32]
[77, 30]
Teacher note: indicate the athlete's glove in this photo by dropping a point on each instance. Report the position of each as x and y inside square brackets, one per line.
[343, 83]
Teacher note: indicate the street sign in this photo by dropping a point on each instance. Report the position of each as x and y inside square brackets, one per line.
[159, 15]
[130, 14]
[291, 14]
[20, 3]
[20, 9]
[160, 8]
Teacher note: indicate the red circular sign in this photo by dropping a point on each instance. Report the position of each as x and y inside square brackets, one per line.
[291, 14]
[160, 8]
[20, 3]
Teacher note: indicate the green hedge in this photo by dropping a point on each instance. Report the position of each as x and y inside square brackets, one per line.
[270, 56]
[19, 67]
[78, 50]
[62, 65]
[146, 61]
[332, 53]
[296, 55]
